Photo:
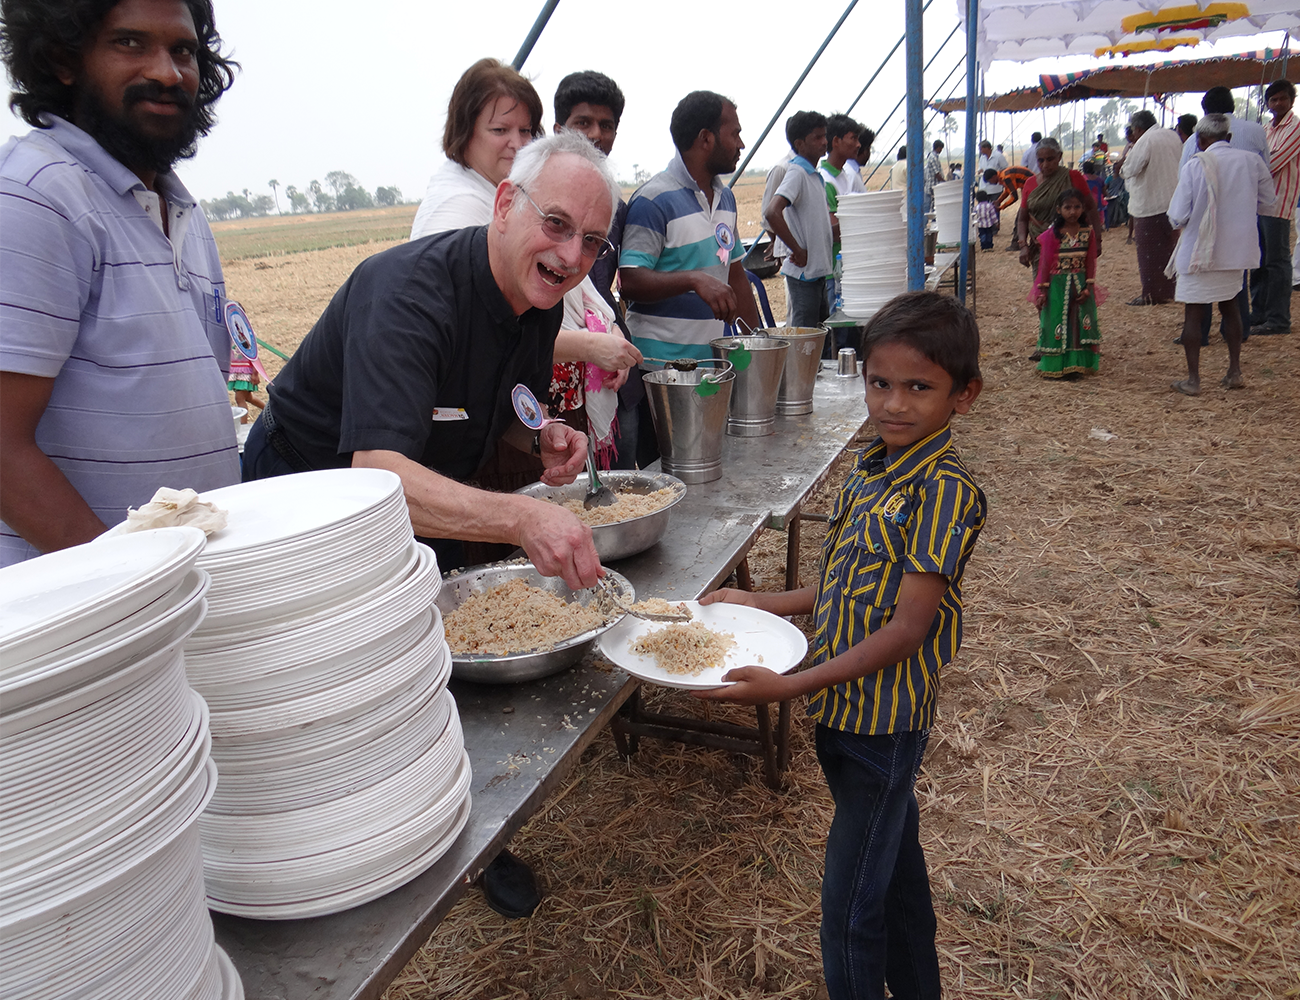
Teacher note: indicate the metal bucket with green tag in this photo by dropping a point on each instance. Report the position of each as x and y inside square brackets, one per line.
[688, 404]
[759, 364]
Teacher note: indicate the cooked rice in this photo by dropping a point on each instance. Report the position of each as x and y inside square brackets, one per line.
[658, 606]
[513, 617]
[627, 506]
[686, 649]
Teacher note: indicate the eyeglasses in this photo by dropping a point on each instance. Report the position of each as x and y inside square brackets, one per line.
[559, 231]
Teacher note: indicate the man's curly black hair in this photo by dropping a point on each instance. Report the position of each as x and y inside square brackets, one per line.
[34, 34]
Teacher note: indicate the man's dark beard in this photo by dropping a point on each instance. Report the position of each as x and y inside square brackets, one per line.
[123, 141]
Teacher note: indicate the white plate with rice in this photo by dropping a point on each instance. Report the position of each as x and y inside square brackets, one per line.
[760, 639]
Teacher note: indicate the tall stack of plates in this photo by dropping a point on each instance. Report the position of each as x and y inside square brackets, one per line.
[104, 769]
[948, 203]
[324, 663]
[873, 241]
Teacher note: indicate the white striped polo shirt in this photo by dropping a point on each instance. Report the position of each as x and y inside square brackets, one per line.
[671, 227]
[95, 296]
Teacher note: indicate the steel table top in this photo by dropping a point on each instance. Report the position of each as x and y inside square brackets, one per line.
[525, 739]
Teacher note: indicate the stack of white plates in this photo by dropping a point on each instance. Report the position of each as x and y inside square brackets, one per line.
[343, 768]
[104, 770]
[873, 240]
[948, 203]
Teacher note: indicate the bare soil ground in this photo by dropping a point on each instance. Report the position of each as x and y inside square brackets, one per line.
[1111, 799]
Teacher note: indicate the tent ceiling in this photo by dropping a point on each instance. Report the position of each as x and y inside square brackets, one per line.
[1020, 30]
[1169, 77]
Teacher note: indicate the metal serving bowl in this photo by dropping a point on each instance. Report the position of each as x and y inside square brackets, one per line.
[510, 668]
[624, 538]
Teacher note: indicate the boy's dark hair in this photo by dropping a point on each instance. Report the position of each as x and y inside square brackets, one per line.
[865, 138]
[981, 196]
[587, 87]
[1036, 137]
[800, 124]
[698, 111]
[902, 152]
[936, 326]
[938, 145]
[1088, 167]
[1218, 101]
[841, 125]
[1186, 123]
[36, 34]
[1278, 87]
[480, 85]
[990, 175]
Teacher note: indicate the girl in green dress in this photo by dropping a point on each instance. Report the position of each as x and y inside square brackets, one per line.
[1066, 293]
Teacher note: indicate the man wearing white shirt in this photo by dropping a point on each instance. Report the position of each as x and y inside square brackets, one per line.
[1030, 159]
[1150, 173]
[1245, 135]
[1218, 194]
[989, 160]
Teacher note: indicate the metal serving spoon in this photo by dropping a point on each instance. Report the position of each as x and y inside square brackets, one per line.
[618, 602]
[598, 495]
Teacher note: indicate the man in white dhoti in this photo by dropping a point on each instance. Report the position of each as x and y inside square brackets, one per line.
[1220, 190]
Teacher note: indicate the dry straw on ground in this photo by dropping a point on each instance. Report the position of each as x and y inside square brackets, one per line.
[1111, 799]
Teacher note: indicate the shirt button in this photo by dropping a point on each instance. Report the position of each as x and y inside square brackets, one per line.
[877, 547]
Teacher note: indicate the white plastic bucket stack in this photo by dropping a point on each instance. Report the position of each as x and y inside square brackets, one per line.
[324, 663]
[948, 203]
[873, 241]
[104, 769]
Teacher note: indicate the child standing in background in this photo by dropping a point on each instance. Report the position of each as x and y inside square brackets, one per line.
[887, 612]
[986, 219]
[1065, 293]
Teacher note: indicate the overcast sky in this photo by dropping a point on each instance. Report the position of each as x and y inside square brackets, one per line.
[363, 86]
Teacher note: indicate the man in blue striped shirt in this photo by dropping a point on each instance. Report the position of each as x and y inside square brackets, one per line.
[680, 264]
[887, 612]
[112, 340]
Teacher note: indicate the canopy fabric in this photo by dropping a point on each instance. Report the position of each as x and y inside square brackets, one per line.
[1021, 30]
[1173, 76]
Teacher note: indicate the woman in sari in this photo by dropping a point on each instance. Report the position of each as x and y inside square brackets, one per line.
[1038, 206]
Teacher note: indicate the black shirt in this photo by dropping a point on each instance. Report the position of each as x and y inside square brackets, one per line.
[419, 326]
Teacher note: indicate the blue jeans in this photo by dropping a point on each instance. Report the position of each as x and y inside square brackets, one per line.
[1271, 282]
[878, 923]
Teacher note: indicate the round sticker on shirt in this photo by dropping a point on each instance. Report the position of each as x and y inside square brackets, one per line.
[241, 330]
[725, 237]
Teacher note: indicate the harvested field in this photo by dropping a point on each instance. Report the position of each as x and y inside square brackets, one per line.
[1111, 797]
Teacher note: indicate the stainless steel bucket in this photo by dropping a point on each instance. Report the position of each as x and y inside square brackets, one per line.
[689, 410]
[759, 364]
[795, 396]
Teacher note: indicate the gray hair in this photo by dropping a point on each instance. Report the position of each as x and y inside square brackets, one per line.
[1143, 120]
[1214, 127]
[532, 159]
[1050, 143]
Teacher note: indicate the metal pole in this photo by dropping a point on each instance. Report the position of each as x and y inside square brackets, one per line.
[863, 91]
[968, 170]
[904, 97]
[788, 97]
[915, 196]
[548, 9]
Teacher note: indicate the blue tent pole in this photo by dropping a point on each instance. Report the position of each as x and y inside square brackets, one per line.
[539, 25]
[968, 170]
[863, 91]
[915, 155]
[788, 97]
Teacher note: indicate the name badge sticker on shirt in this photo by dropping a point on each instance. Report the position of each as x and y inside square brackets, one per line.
[242, 336]
[726, 239]
[441, 413]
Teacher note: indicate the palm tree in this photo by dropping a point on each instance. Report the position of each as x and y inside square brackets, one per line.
[275, 184]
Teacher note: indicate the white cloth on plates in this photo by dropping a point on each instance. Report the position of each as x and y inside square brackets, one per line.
[1208, 286]
[176, 508]
[457, 197]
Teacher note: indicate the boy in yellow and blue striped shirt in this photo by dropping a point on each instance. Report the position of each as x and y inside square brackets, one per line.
[887, 611]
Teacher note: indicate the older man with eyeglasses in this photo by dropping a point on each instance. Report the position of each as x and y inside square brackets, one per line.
[411, 366]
